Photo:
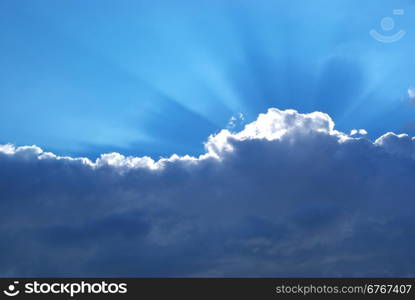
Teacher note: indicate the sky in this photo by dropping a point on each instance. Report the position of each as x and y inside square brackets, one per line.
[87, 78]
[207, 138]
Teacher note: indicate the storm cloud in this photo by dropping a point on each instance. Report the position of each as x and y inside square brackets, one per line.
[288, 195]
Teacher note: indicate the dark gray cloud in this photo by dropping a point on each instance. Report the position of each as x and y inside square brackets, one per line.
[287, 196]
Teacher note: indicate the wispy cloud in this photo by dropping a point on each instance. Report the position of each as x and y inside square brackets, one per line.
[235, 121]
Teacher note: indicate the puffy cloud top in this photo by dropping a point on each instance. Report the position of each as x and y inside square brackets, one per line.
[286, 196]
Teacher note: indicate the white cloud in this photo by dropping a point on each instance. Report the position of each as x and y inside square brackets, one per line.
[411, 93]
[360, 132]
[286, 195]
[235, 121]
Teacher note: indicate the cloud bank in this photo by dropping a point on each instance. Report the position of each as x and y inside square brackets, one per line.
[288, 195]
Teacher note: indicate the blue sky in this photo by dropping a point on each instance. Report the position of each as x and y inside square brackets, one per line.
[292, 129]
[157, 77]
